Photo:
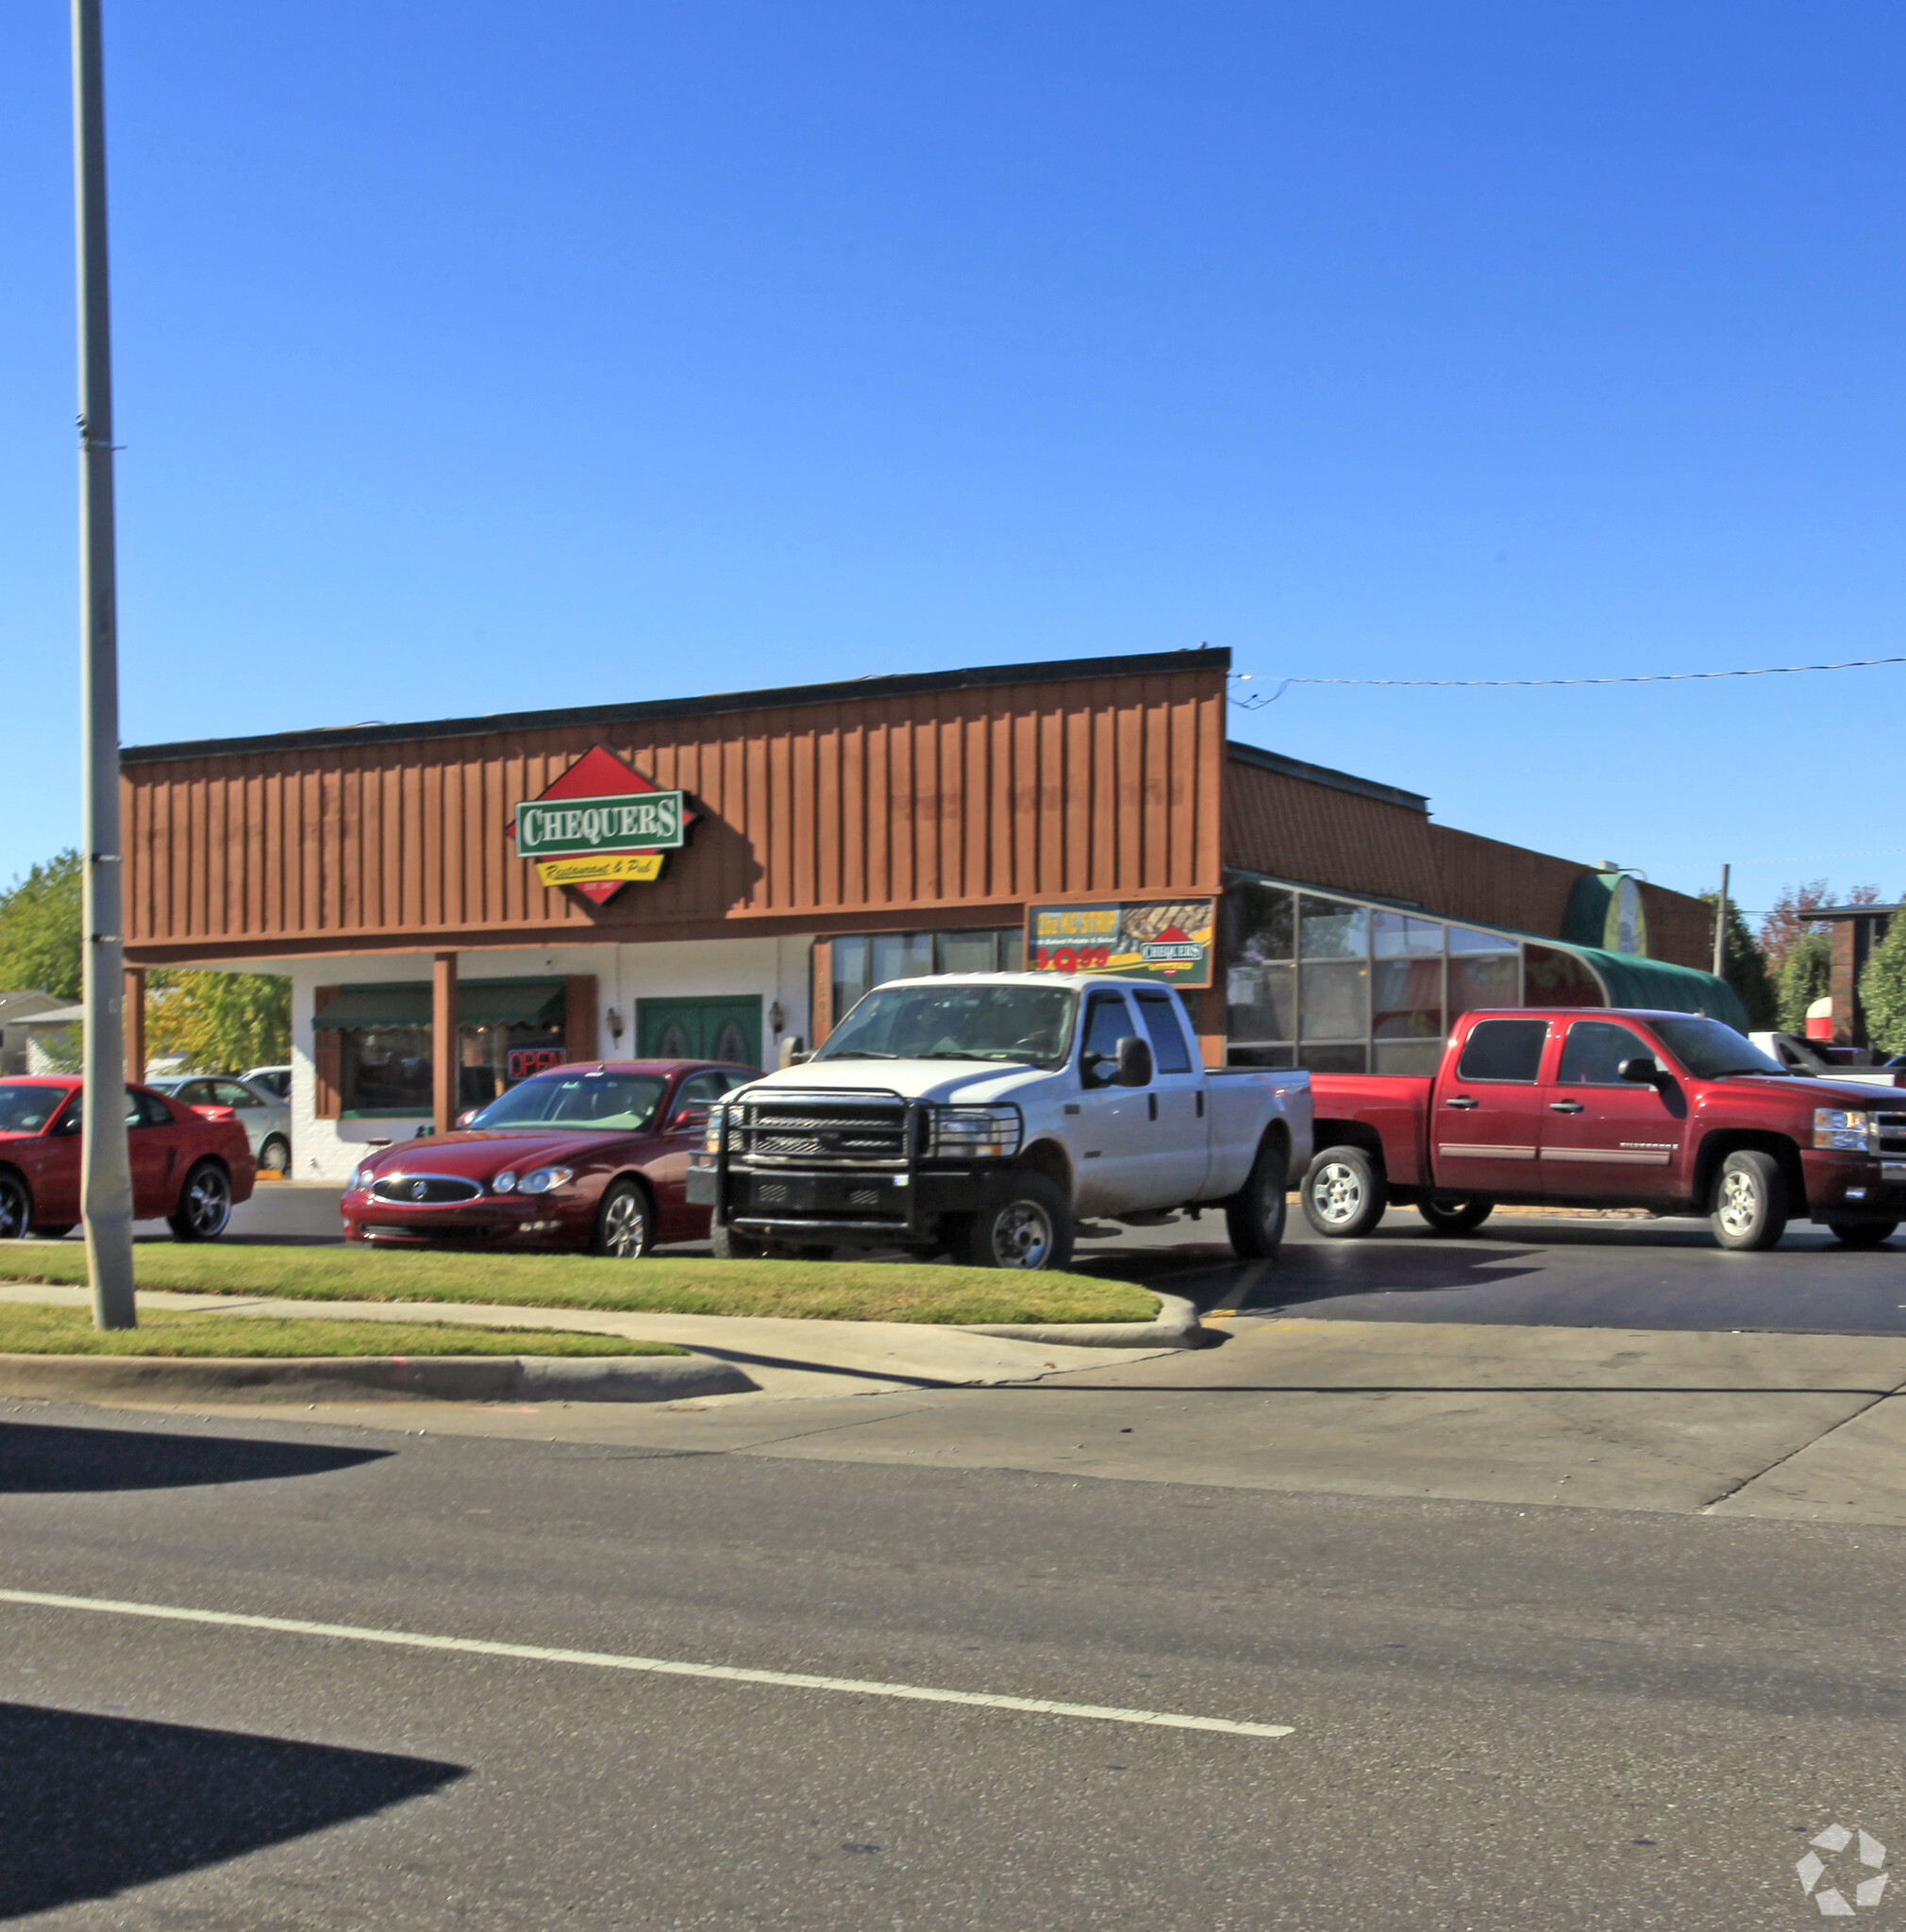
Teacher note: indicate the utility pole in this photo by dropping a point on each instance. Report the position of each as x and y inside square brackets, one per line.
[106, 1193]
[1721, 924]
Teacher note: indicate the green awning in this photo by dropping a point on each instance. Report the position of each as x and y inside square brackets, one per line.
[509, 1002]
[1632, 981]
[377, 1006]
[479, 1002]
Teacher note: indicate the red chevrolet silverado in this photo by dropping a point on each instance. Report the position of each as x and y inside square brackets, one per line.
[1600, 1108]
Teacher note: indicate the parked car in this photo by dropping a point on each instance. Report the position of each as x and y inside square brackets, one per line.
[586, 1155]
[275, 1081]
[1598, 1108]
[986, 1113]
[187, 1167]
[266, 1118]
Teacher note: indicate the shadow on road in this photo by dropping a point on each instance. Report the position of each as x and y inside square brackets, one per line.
[96, 1804]
[39, 1459]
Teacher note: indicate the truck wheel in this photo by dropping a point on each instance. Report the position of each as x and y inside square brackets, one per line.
[1455, 1217]
[1749, 1209]
[204, 1205]
[1864, 1234]
[1022, 1221]
[730, 1246]
[1344, 1195]
[1254, 1216]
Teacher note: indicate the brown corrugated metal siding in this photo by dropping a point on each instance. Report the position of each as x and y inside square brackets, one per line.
[1317, 833]
[813, 815]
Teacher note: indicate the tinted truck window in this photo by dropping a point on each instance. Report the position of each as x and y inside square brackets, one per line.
[1503, 1050]
[1594, 1054]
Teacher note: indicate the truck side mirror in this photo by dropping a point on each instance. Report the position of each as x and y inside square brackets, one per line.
[1134, 1063]
[1644, 1069]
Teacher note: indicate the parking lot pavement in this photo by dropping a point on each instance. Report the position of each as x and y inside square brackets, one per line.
[1527, 1271]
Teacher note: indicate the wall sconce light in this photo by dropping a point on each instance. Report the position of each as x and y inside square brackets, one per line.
[776, 1017]
[614, 1020]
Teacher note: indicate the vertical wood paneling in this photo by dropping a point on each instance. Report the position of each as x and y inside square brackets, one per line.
[988, 795]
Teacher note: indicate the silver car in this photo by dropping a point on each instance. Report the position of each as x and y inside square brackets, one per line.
[266, 1118]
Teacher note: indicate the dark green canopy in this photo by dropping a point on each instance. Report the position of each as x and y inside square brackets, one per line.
[479, 1002]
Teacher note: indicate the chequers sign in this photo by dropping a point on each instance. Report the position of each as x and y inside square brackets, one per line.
[600, 827]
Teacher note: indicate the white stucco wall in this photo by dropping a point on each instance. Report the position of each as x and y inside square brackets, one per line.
[776, 969]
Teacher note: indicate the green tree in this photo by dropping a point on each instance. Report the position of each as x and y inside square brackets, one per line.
[1883, 990]
[223, 1023]
[1806, 976]
[39, 929]
[1743, 966]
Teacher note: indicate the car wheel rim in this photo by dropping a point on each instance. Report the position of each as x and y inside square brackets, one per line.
[208, 1203]
[1337, 1193]
[1740, 1203]
[12, 1213]
[1021, 1235]
[277, 1157]
[623, 1226]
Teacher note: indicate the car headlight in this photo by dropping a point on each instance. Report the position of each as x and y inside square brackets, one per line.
[976, 1133]
[505, 1183]
[543, 1179]
[363, 1177]
[1846, 1131]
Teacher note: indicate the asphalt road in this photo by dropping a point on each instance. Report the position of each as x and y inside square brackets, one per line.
[1515, 1269]
[1501, 1717]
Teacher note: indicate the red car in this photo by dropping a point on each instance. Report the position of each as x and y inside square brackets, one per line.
[189, 1164]
[592, 1155]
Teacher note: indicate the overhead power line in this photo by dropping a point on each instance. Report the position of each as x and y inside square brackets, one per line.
[1256, 701]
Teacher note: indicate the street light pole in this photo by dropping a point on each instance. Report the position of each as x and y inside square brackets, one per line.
[1721, 923]
[106, 1195]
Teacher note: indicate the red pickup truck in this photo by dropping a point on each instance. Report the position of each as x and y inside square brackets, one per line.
[1598, 1109]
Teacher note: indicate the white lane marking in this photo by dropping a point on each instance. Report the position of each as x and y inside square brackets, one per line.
[669, 1667]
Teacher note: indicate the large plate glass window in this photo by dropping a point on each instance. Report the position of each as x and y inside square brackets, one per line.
[860, 961]
[1406, 993]
[1485, 970]
[1261, 978]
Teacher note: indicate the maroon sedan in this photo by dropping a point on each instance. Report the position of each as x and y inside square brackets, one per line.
[588, 1157]
[189, 1164]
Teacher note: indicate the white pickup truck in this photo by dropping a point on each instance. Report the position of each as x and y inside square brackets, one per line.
[986, 1114]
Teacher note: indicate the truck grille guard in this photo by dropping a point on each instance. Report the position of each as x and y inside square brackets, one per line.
[870, 1133]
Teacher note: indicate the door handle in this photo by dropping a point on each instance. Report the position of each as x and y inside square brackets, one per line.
[1463, 1100]
[1565, 1106]
[1151, 1101]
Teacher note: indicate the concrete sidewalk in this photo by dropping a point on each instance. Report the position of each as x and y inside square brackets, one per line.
[789, 1360]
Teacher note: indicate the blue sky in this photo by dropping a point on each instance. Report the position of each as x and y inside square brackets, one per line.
[488, 356]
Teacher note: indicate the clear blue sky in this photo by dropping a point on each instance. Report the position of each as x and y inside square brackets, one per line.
[490, 357]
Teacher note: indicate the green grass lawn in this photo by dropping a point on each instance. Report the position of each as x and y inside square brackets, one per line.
[820, 1290]
[30, 1329]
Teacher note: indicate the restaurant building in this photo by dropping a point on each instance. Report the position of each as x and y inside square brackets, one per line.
[461, 903]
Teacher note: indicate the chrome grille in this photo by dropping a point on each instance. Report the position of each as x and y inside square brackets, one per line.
[820, 1129]
[1892, 1128]
[426, 1190]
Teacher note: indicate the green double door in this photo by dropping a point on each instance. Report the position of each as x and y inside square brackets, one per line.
[728, 1027]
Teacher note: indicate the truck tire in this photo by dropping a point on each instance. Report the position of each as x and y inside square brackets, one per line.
[1447, 1216]
[1022, 1221]
[1864, 1234]
[730, 1246]
[1254, 1216]
[1343, 1194]
[1750, 1210]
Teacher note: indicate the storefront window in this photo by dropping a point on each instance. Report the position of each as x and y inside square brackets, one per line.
[1333, 928]
[1552, 978]
[1485, 970]
[511, 1029]
[496, 1057]
[861, 962]
[385, 1069]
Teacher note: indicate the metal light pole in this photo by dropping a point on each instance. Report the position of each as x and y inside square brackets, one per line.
[105, 1195]
[1721, 923]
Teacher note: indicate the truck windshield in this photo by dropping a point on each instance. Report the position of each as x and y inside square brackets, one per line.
[928, 1020]
[1711, 1051]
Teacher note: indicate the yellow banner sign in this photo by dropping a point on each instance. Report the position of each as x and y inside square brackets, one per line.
[642, 867]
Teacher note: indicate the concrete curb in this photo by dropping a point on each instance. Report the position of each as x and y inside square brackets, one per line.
[1176, 1325]
[341, 1379]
